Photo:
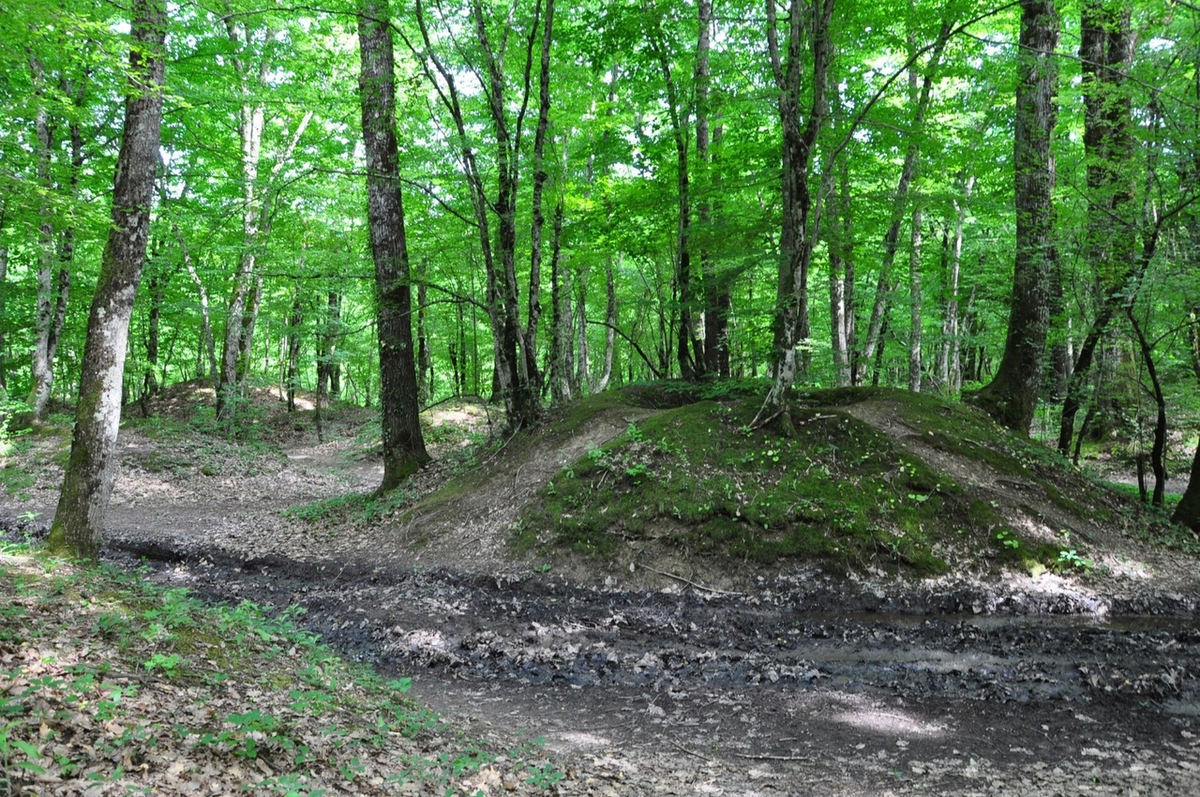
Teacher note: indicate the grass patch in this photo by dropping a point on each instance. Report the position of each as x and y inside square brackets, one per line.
[698, 479]
[108, 682]
[359, 509]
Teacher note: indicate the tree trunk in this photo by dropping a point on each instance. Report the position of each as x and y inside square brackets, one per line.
[949, 354]
[688, 346]
[583, 375]
[207, 344]
[1159, 450]
[562, 349]
[4, 323]
[797, 238]
[512, 354]
[915, 298]
[716, 292]
[403, 444]
[3, 293]
[3, 320]
[1012, 396]
[1120, 295]
[540, 176]
[1187, 512]
[424, 355]
[841, 275]
[295, 322]
[235, 349]
[886, 284]
[51, 296]
[157, 286]
[91, 469]
[610, 328]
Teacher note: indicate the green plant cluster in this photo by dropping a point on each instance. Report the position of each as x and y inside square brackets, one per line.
[198, 447]
[244, 685]
[358, 509]
[698, 478]
[14, 479]
[1037, 556]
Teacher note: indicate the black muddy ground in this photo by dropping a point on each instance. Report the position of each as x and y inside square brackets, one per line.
[803, 684]
[809, 686]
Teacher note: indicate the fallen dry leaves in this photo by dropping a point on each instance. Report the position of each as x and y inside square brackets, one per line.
[109, 687]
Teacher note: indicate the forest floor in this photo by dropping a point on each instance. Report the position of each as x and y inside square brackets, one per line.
[658, 673]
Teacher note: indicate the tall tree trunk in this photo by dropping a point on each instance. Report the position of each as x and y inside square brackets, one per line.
[1106, 55]
[716, 313]
[610, 327]
[238, 329]
[1159, 450]
[540, 176]
[3, 317]
[562, 348]
[841, 273]
[915, 300]
[811, 29]
[327, 348]
[91, 469]
[886, 284]
[245, 338]
[51, 296]
[1194, 329]
[1012, 395]
[424, 355]
[1119, 296]
[689, 349]
[973, 368]
[513, 380]
[207, 344]
[157, 286]
[583, 374]
[295, 322]
[403, 444]
[949, 354]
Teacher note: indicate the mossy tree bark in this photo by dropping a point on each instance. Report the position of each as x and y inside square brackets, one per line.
[91, 470]
[1012, 395]
[403, 444]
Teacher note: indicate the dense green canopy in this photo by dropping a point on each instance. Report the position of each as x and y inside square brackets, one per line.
[602, 195]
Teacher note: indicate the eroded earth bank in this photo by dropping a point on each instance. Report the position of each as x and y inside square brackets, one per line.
[652, 674]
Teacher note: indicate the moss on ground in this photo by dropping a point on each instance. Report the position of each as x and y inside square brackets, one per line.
[697, 477]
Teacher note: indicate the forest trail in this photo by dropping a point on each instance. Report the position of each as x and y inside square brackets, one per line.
[804, 684]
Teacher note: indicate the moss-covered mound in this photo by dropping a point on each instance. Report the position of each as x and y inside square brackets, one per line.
[872, 479]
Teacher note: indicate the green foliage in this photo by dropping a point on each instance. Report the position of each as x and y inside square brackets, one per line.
[697, 478]
[235, 683]
[13, 441]
[359, 509]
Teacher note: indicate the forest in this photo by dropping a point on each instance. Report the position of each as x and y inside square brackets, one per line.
[774, 397]
[529, 202]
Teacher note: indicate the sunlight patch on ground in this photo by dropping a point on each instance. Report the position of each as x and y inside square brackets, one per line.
[868, 715]
[301, 402]
[418, 640]
[578, 739]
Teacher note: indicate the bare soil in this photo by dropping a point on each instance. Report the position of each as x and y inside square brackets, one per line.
[668, 679]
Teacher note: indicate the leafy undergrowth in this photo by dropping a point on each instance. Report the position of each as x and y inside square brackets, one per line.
[110, 686]
[699, 480]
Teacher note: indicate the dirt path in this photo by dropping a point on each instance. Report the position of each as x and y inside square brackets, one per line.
[806, 684]
[659, 693]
